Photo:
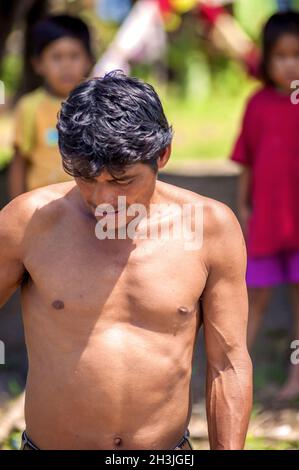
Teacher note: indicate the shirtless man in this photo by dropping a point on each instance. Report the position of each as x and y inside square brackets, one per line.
[111, 324]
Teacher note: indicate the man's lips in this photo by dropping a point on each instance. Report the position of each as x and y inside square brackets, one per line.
[110, 213]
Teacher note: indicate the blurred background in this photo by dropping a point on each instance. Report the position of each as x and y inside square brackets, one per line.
[202, 57]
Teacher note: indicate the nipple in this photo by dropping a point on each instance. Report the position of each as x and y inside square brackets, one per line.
[58, 304]
[183, 310]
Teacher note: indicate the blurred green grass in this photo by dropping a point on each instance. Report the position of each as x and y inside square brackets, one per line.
[206, 112]
[258, 443]
[206, 128]
[253, 443]
[6, 129]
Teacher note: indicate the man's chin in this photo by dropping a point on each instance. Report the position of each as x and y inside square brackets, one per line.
[113, 223]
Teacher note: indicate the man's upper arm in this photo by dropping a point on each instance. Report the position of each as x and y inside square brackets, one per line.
[11, 237]
[224, 300]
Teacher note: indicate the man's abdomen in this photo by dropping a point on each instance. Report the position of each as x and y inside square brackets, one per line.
[121, 388]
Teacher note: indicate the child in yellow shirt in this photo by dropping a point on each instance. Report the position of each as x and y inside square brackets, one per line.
[63, 57]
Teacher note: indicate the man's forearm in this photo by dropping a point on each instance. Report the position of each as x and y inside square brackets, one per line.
[228, 404]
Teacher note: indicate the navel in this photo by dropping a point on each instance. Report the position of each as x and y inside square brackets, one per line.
[58, 304]
[117, 441]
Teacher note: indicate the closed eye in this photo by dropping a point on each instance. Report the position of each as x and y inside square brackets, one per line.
[122, 182]
[88, 180]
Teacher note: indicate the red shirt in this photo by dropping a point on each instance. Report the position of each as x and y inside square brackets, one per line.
[269, 145]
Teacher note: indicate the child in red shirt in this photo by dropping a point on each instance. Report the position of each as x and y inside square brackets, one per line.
[268, 195]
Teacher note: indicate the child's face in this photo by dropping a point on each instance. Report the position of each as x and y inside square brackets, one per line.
[63, 65]
[284, 61]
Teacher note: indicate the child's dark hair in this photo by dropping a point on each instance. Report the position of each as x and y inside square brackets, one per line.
[56, 27]
[278, 24]
[111, 123]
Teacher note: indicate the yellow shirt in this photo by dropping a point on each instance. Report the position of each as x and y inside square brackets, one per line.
[37, 139]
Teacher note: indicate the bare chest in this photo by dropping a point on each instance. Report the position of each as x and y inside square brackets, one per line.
[81, 284]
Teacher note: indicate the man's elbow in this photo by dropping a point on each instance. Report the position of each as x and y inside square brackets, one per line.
[235, 362]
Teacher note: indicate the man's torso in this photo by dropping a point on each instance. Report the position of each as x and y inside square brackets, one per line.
[110, 331]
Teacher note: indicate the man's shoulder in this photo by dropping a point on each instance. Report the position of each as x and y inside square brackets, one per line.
[223, 240]
[219, 220]
[217, 214]
[172, 194]
[219, 217]
[40, 204]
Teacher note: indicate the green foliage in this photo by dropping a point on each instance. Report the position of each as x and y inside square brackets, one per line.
[11, 72]
[5, 157]
[252, 14]
[14, 388]
[259, 443]
[206, 120]
[13, 442]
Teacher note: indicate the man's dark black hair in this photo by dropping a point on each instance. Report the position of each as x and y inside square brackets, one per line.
[111, 123]
[277, 25]
[56, 27]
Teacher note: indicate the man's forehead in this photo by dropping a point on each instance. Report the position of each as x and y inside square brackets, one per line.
[132, 170]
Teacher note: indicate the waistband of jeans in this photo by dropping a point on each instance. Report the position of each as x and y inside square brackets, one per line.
[28, 442]
[184, 439]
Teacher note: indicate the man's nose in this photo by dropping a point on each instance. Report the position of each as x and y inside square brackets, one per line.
[104, 194]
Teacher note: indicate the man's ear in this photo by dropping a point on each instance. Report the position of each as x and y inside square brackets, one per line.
[164, 157]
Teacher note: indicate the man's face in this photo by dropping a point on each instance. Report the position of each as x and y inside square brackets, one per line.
[137, 184]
